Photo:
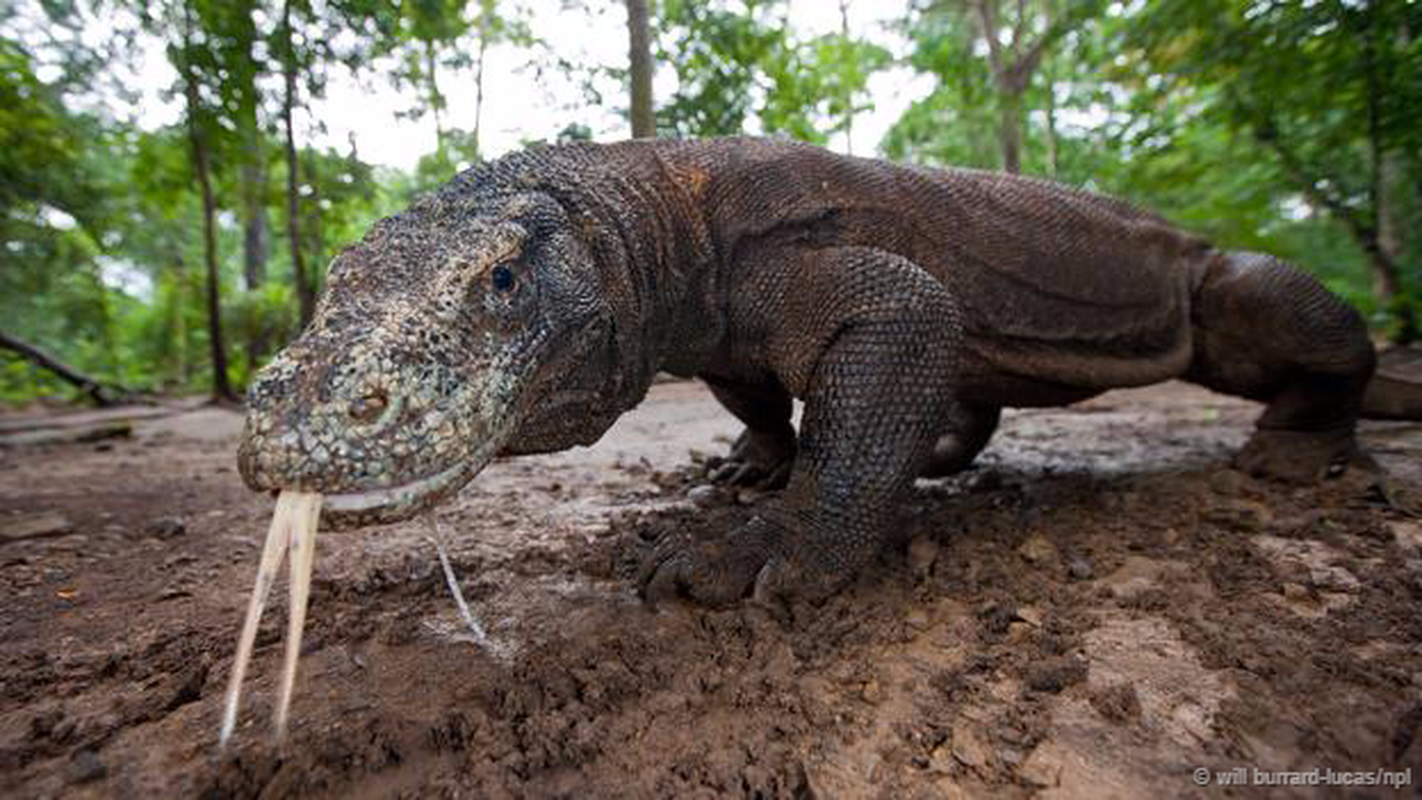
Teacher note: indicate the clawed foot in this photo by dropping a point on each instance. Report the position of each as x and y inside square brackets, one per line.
[1304, 457]
[757, 461]
[756, 561]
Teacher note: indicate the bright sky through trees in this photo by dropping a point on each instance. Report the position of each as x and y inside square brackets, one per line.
[521, 102]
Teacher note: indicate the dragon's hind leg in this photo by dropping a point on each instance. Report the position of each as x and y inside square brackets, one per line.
[1266, 331]
[968, 432]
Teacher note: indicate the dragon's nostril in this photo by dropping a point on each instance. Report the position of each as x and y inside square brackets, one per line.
[369, 408]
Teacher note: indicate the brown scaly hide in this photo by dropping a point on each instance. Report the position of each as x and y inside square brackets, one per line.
[529, 302]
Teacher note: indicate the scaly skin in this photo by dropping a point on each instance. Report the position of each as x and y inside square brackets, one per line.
[528, 303]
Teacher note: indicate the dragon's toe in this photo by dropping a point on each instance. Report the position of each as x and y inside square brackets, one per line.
[718, 572]
[757, 461]
[1303, 457]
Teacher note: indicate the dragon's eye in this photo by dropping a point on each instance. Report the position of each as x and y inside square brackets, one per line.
[502, 277]
[368, 408]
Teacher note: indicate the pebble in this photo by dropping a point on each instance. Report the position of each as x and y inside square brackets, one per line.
[704, 495]
[1055, 674]
[1244, 516]
[1079, 568]
[1038, 550]
[1118, 703]
[167, 527]
[86, 767]
[922, 553]
[968, 746]
[1407, 534]
[1226, 482]
[35, 526]
[1043, 768]
[1017, 630]
[1030, 615]
[872, 692]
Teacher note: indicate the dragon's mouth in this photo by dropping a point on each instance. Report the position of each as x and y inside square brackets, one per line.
[394, 503]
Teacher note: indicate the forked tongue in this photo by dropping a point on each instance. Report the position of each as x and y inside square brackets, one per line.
[293, 528]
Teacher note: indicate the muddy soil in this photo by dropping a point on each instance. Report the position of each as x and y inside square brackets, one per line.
[1098, 609]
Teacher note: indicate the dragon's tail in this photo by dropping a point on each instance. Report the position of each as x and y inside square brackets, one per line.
[1395, 392]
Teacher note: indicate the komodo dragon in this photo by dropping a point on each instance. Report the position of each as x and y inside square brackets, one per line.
[525, 305]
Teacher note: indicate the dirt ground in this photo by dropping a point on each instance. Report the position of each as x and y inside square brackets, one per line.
[1098, 609]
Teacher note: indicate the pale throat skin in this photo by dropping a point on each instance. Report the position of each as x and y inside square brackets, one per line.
[474, 323]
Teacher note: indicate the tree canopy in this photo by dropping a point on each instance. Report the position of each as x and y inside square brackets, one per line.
[179, 256]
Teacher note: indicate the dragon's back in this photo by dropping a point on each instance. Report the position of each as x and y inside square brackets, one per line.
[1057, 284]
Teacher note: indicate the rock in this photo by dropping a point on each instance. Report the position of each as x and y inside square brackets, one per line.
[1134, 577]
[1019, 630]
[872, 692]
[917, 619]
[1079, 568]
[1042, 768]
[1039, 551]
[1118, 703]
[995, 617]
[167, 527]
[184, 688]
[922, 553]
[1226, 482]
[85, 766]
[1055, 674]
[942, 760]
[1030, 615]
[704, 495]
[1245, 516]
[968, 747]
[1407, 534]
[749, 497]
[35, 526]
[43, 724]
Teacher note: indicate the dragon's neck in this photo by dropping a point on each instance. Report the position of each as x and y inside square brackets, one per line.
[650, 244]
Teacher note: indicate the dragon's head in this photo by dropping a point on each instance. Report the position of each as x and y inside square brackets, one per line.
[438, 337]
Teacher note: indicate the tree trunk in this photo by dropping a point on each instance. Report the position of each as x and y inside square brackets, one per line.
[436, 99]
[1387, 282]
[305, 292]
[1386, 248]
[91, 386]
[479, 80]
[221, 388]
[639, 54]
[1009, 133]
[1051, 80]
[318, 241]
[1012, 69]
[849, 99]
[178, 301]
[254, 225]
[1368, 228]
[255, 249]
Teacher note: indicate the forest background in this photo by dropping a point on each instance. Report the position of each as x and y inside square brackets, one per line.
[176, 174]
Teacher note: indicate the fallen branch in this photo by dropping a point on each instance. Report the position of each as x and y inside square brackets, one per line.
[101, 392]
